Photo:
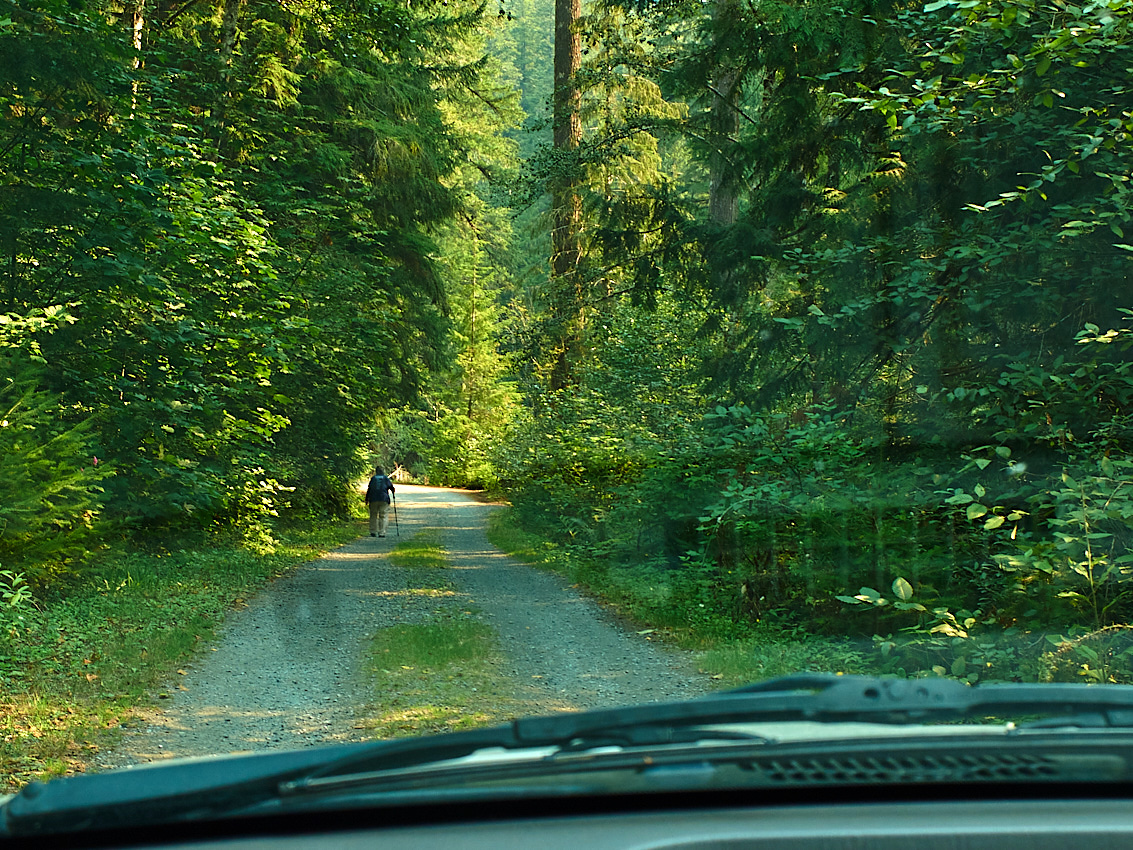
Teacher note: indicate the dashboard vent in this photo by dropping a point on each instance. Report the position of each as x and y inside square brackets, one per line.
[990, 767]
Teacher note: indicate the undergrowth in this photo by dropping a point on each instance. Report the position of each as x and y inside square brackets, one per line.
[736, 647]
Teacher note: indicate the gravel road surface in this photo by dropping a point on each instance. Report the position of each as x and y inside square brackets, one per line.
[286, 671]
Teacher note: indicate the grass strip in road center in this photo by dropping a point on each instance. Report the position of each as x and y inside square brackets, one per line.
[442, 674]
[422, 551]
[437, 676]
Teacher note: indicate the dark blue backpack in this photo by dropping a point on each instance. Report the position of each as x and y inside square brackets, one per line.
[378, 491]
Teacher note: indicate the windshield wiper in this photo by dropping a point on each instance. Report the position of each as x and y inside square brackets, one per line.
[816, 697]
[213, 788]
[829, 698]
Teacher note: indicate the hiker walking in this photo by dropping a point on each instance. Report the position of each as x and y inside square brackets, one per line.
[377, 498]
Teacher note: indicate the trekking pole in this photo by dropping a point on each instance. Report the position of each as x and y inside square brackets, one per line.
[395, 523]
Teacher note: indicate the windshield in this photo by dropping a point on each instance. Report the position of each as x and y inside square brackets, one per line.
[377, 369]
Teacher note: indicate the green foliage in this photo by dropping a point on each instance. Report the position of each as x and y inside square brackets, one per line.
[902, 435]
[15, 595]
[50, 493]
[507, 535]
[1082, 555]
[128, 618]
[779, 654]
[246, 247]
[1099, 656]
[816, 368]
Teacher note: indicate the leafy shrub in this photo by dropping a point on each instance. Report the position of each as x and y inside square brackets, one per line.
[1102, 655]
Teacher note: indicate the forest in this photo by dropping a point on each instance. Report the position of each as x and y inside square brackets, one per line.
[774, 317]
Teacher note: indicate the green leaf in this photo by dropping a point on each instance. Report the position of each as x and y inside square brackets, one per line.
[868, 594]
[902, 589]
[976, 510]
[1042, 67]
[993, 522]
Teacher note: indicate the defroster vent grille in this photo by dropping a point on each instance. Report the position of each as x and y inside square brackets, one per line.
[991, 767]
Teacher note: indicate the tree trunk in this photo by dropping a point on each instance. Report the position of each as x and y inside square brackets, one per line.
[723, 188]
[136, 14]
[137, 11]
[724, 125]
[228, 25]
[470, 376]
[566, 205]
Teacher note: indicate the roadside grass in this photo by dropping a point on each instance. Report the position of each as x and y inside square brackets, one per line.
[442, 674]
[743, 662]
[517, 542]
[75, 667]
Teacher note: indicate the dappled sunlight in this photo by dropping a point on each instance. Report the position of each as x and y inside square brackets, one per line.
[409, 592]
[227, 712]
[476, 559]
[341, 555]
[178, 735]
[427, 719]
[536, 703]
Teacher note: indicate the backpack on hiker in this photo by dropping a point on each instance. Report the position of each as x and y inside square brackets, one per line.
[378, 490]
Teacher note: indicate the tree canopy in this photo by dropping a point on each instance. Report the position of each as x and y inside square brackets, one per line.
[818, 307]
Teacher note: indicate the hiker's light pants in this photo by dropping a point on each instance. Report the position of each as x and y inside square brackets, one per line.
[379, 517]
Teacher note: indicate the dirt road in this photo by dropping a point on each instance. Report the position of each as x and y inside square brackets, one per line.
[286, 670]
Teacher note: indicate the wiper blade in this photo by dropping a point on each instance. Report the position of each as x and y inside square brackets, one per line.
[818, 697]
[379, 758]
[831, 698]
[635, 745]
[200, 789]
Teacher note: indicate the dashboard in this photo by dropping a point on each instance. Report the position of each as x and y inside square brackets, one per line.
[1004, 824]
